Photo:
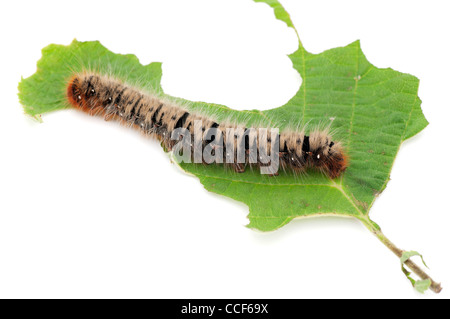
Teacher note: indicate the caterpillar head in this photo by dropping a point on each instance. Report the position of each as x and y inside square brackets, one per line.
[74, 92]
[82, 92]
[326, 155]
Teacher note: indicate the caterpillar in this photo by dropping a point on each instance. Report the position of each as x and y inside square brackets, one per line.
[103, 95]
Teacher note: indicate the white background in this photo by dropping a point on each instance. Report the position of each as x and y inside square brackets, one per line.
[91, 209]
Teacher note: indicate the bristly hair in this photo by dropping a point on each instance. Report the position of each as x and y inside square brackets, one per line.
[159, 116]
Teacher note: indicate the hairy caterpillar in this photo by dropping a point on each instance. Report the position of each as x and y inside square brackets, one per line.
[101, 95]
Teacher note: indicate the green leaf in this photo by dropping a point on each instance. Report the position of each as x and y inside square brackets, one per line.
[408, 254]
[44, 91]
[422, 285]
[280, 13]
[374, 111]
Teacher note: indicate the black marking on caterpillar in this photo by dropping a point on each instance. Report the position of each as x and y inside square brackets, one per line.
[102, 95]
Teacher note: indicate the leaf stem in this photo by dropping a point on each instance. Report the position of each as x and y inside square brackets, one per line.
[376, 230]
